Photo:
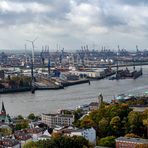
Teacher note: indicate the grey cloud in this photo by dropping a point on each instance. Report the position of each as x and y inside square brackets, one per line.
[26, 1]
[58, 12]
[112, 21]
[108, 15]
[134, 2]
[15, 19]
[60, 9]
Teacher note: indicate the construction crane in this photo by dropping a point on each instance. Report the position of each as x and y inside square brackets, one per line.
[32, 64]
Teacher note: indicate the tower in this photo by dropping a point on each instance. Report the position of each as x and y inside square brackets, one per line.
[3, 111]
[100, 100]
[4, 118]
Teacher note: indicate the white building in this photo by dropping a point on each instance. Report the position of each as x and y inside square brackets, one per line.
[89, 134]
[52, 120]
[46, 136]
[91, 74]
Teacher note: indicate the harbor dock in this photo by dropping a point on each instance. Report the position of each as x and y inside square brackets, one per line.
[70, 83]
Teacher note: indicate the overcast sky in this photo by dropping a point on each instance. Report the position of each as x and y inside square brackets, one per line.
[73, 23]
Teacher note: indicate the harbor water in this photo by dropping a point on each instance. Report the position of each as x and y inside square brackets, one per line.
[49, 101]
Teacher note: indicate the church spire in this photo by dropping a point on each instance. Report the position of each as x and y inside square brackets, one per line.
[3, 111]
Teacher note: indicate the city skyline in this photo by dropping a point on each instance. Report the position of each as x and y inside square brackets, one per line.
[73, 23]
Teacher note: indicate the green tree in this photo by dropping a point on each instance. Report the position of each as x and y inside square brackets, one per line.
[79, 142]
[107, 141]
[115, 123]
[145, 119]
[115, 119]
[103, 127]
[145, 114]
[60, 142]
[135, 123]
[145, 123]
[22, 124]
[5, 131]
[31, 116]
[121, 110]
[131, 135]
[87, 123]
[19, 117]
[30, 145]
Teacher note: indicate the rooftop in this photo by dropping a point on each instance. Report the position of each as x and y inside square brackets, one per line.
[135, 140]
[22, 136]
[93, 104]
[34, 130]
[6, 142]
[60, 115]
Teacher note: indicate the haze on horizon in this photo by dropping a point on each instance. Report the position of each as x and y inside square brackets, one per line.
[73, 23]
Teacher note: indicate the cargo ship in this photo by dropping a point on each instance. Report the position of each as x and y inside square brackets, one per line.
[126, 74]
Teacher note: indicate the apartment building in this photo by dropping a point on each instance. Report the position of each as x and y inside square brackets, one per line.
[126, 142]
[53, 120]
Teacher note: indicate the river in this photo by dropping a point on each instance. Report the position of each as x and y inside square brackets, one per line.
[49, 101]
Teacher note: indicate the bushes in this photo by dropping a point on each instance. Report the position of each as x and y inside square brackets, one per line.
[60, 142]
[107, 141]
